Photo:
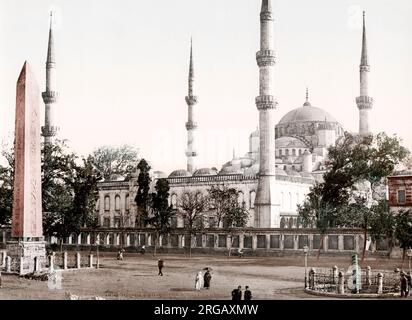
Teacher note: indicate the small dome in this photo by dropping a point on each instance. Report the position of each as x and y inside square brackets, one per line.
[160, 174]
[205, 172]
[289, 142]
[252, 171]
[180, 173]
[246, 162]
[230, 170]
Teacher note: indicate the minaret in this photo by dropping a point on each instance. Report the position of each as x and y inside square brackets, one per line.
[191, 125]
[50, 96]
[267, 208]
[364, 102]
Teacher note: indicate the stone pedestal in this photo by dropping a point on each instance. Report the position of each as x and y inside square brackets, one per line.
[25, 255]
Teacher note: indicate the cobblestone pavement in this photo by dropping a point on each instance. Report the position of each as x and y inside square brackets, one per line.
[136, 278]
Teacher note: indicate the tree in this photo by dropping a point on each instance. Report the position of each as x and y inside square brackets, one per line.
[6, 185]
[115, 160]
[161, 211]
[142, 196]
[352, 162]
[403, 229]
[223, 201]
[69, 191]
[191, 207]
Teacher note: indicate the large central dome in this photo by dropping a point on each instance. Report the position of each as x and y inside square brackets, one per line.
[307, 113]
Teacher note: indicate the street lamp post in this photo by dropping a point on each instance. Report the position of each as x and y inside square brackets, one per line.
[306, 250]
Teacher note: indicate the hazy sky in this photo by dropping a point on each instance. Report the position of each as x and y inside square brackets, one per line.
[123, 66]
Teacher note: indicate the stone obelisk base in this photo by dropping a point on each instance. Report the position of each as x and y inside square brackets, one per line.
[27, 255]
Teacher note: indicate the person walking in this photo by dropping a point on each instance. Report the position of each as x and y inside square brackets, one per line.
[237, 294]
[160, 265]
[248, 294]
[199, 281]
[207, 278]
[404, 286]
[408, 284]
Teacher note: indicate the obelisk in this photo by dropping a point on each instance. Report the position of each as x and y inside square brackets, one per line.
[27, 247]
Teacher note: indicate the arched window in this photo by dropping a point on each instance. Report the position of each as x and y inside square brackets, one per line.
[97, 205]
[290, 222]
[117, 203]
[252, 199]
[174, 201]
[293, 152]
[106, 203]
[300, 151]
[127, 203]
[287, 152]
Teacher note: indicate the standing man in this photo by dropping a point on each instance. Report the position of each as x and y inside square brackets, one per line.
[207, 278]
[237, 294]
[160, 265]
[248, 294]
[404, 286]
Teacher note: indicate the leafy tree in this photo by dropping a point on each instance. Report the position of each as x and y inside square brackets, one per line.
[142, 196]
[223, 201]
[192, 207]
[354, 160]
[69, 191]
[115, 160]
[6, 185]
[161, 211]
[383, 222]
[403, 229]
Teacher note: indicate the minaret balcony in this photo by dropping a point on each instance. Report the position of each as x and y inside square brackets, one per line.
[266, 58]
[364, 102]
[266, 16]
[364, 68]
[191, 153]
[191, 125]
[50, 96]
[191, 100]
[266, 102]
[49, 131]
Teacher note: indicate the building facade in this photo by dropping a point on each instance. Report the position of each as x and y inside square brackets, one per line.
[400, 191]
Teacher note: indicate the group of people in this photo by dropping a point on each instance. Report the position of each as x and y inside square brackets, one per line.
[406, 284]
[203, 280]
[237, 294]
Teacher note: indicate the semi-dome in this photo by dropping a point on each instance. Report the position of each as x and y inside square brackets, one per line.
[289, 142]
[180, 173]
[307, 113]
[230, 170]
[205, 172]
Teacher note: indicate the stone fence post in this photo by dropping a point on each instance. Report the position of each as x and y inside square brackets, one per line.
[335, 272]
[78, 260]
[8, 264]
[36, 264]
[380, 283]
[312, 274]
[3, 258]
[90, 261]
[341, 283]
[368, 278]
[65, 260]
[51, 262]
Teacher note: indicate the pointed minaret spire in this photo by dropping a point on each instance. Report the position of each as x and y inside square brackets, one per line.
[364, 56]
[50, 96]
[191, 125]
[307, 103]
[364, 102]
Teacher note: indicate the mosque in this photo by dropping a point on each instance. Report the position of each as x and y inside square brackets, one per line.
[283, 162]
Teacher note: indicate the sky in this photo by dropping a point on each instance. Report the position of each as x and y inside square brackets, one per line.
[122, 69]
